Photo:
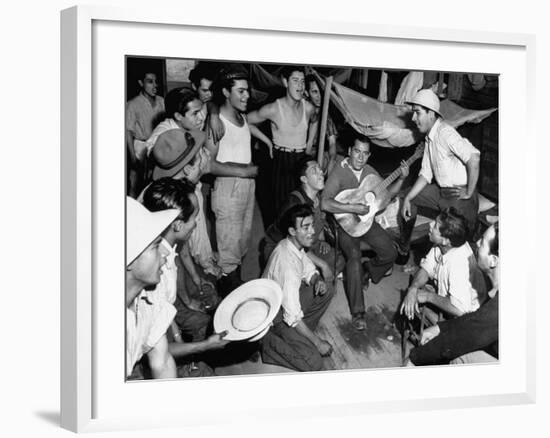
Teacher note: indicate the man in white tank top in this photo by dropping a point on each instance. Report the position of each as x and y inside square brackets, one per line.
[233, 197]
[292, 118]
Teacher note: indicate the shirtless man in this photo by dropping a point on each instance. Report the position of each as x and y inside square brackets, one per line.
[291, 117]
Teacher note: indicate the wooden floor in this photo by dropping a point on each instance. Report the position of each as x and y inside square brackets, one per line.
[377, 347]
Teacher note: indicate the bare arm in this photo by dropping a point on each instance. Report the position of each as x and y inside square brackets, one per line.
[472, 169]
[161, 361]
[130, 147]
[227, 169]
[443, 303]
[213, 342]
[266, 112]
[256, 132]
[418, 186]
[410, 302]
[332, 206]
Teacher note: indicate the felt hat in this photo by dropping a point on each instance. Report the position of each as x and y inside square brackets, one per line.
[247, 312]
[427, 99]
[174, 149]
[143, 226]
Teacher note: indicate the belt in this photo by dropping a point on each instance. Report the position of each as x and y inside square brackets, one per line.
[290, 150]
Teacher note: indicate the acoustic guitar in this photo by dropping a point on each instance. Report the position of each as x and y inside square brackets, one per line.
[371, 192]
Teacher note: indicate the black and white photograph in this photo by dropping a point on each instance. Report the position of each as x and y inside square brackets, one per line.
[286, 218]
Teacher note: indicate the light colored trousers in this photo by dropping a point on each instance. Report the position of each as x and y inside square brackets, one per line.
[233, 205]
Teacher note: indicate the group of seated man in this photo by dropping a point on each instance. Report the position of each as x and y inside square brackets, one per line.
[187, 236]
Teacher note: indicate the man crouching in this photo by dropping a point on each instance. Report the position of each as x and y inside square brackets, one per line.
[291, 342]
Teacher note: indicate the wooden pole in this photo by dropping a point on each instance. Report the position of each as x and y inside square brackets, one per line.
[324, 115]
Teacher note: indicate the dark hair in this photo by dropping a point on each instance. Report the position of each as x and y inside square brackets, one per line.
[453, 226]
[361, 138]
[302, 166]
[295, 212]
[165, 193]
[311, 79]
[289, 69]
[226, 80]
[493, 244]
[202, 71]
[176, 101]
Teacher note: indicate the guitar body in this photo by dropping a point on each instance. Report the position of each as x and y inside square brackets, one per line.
[354, 224]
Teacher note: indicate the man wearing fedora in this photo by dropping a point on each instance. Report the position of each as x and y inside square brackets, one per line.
[448, 174]
[292, 342]
[148, 314]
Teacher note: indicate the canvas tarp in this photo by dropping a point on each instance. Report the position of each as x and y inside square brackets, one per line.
[390, 125]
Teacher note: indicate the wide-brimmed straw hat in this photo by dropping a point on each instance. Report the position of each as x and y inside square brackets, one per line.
[247, 312]
[174, 149]
[143, 226]
[427, 99]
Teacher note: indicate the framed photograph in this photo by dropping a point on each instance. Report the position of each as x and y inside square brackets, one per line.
[103, 50]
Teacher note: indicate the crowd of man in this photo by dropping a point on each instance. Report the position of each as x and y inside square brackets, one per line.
[190, 206]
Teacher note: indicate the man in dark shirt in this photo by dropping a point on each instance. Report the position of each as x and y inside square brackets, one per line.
[473, 337]
[349, 174]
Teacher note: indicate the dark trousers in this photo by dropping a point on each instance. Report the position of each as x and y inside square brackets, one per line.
[386, 253]
[284, 175]
[284, 345]
[430, 202]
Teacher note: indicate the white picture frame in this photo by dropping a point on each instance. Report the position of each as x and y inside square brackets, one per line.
[94, 396]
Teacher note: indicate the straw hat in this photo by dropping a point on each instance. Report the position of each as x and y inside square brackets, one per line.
[247, 312]
[143, 226]
[427, 99]
[174, 149]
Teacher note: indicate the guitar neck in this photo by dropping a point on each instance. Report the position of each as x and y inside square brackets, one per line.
[395, 174]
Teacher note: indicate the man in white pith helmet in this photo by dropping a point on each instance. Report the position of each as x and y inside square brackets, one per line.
[449, 172]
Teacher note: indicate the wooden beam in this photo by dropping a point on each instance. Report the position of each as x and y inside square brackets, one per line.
[324, 115]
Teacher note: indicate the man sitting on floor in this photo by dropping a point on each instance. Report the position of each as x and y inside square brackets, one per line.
[291, 341]
[471, 338]
[448, 265]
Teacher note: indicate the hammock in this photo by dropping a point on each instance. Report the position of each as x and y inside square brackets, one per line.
[390, 125]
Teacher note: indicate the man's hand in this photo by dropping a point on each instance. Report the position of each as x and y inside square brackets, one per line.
[324, 248]
[410, 304]
[360, 209]
[216, 126]
[320, 287]
[324, 348]
[456, 192]
[423, 296]
[406, 209]
[216, 340]
[205, 156]
[429, 334]
[404, 169]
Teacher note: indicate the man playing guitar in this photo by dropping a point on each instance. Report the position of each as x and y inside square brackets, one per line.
[348, 174]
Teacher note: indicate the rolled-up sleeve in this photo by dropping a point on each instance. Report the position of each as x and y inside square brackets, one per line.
[457, 144]
[426, 167]
[460, 289]
[429, 263]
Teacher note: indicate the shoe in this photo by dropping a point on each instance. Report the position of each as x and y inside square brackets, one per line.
[358, 321]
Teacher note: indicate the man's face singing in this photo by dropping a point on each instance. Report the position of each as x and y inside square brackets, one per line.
[314, 176]
[149, 84]
[359, 155]
[239, 95]
[295, 85]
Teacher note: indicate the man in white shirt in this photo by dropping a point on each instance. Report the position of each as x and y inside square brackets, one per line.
[448, 265]
[148, 314]
[449, 172]
[292, 342]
